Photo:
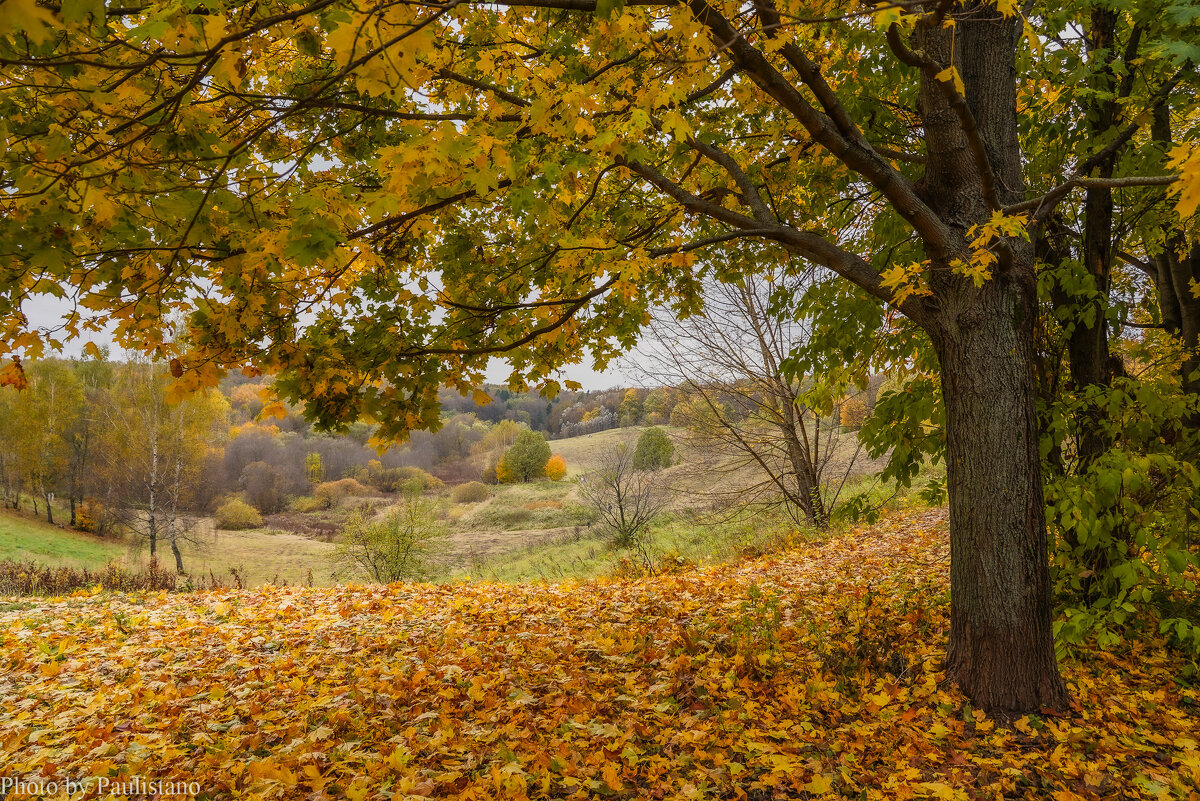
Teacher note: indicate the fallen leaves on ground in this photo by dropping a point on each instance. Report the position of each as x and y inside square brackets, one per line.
[810, 674]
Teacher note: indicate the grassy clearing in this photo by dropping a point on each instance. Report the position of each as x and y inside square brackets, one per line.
[523, 507]
[260, 556]
[23, 538]
[679, 538]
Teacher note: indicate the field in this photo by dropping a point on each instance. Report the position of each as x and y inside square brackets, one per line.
[810, 674]
[536, 531]
[24, 538]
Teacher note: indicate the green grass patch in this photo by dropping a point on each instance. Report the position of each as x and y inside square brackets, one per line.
[23, 538]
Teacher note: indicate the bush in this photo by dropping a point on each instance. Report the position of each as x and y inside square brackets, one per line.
[556, 468]
[395, 548]
[401, 479]
[654, 450]
[236, 515]
[471, 492]
[312, 503]
[336, 490]
[504, 474]
[31, 578]
[527, 457]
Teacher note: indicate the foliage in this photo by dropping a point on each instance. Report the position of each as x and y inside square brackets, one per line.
[236, 515]
[471, 492]
[621, 689]
[1127, 524]
[504, 474]
[336, 490]
[262, 485]
[654, 450]
[314, 468]
[32, 578]
[397, 547]
[400, 479]
[852, 412]
[555, 468]
[312, 503]
[525, 459]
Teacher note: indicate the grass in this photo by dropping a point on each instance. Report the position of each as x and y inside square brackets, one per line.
[24, 538]
[260, 556]
[674, 538]
[522, 507]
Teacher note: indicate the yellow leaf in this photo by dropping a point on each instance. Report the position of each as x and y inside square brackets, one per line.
[1186, 159]
[819, 784]
[950, 74]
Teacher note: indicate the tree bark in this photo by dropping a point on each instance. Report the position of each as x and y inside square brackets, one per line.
[1001, 650]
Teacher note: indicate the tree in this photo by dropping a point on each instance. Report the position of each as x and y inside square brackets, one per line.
[654, 450]
[526, 459]
[631, 408]
[852, 412]
[626, 499]
[556, 468]
[748, 408]
[572, 157]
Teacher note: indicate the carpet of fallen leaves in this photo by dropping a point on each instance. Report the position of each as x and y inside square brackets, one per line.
[807, 674]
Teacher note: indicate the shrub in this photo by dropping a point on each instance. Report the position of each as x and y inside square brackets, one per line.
[394, 548]
[31, 578]
[312, 503]
[401, 479]
[471, 492]
[556, 468]
[527, 457]
[654, 450]
[336, 490]
[504, 473]
[236, 515]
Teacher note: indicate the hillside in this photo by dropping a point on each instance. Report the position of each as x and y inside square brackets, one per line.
[810, 674]
[24, 538]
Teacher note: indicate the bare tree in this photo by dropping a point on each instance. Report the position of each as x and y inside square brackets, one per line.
[728, 364]
[626, 499]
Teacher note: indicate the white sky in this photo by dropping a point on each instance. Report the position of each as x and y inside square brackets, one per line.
[44, 311]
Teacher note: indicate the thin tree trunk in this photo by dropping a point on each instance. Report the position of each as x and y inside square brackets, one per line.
[173, 520]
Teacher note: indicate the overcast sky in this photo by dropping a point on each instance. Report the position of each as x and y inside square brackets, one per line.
[44, 311]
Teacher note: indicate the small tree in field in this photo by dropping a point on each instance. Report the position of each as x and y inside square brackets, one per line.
[654, 450]
[397, 547]
[556, 468]
[626, 499]
[853, 413]
[526, 459]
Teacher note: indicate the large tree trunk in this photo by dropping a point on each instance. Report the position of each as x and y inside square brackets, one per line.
[1001, 650]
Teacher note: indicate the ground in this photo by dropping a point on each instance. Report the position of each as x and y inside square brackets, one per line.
[813, 673]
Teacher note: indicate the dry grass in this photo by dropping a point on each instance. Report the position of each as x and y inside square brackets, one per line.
[260, 556]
